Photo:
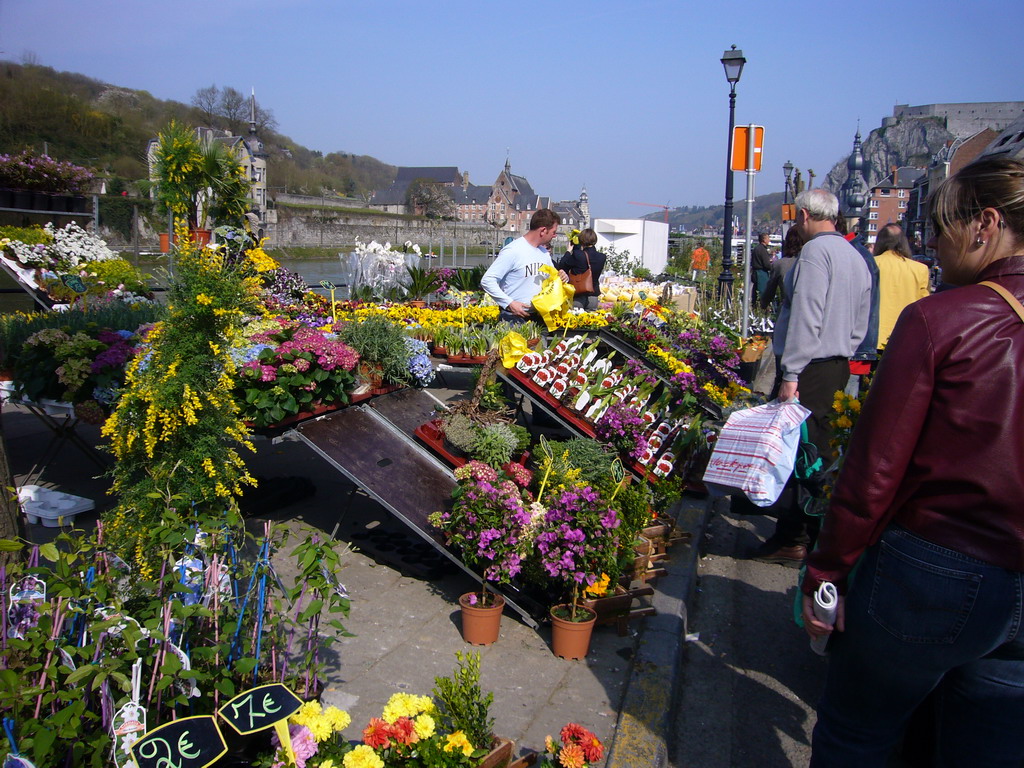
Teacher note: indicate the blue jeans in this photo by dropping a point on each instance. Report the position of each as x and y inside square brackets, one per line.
[920, 617]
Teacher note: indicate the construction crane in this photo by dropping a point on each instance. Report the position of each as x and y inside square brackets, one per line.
[654, 205]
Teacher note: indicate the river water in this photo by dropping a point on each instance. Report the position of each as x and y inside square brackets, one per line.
[334, 270]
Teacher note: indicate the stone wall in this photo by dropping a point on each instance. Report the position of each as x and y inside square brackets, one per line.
[304, 227]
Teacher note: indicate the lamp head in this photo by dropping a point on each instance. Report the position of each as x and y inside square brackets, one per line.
[733, 61]
[788, 170]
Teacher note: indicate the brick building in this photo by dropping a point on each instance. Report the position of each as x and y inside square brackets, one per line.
[888, 200]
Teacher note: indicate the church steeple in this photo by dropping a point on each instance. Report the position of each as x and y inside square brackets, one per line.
[585, 206]
[853, 196]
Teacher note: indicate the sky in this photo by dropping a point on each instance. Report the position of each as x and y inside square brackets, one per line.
[627, 98]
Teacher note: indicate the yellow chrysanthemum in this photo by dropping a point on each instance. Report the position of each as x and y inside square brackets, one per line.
[362, 756]
[424, 725]
[320, 728]
[338, 718]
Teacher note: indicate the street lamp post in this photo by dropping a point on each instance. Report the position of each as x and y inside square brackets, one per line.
[732, 61]
[787, 170]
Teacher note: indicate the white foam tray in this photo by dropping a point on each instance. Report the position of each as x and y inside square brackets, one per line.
[49, 507]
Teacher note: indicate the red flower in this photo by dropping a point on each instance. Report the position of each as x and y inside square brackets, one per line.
[573, 733]
[592, 748]
[403, 731]
[377, 733]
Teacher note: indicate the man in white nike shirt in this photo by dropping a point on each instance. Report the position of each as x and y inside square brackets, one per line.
[515, 276]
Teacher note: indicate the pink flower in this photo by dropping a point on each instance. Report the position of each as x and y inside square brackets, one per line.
[303, 744]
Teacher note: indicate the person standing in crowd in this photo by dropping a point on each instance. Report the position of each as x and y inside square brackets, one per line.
[928, 506]
[700, 260]
[866, 356]
[823, 319]
[578, 259]
[515, 277]
[791, 246]
[901, 280]
[760, 265]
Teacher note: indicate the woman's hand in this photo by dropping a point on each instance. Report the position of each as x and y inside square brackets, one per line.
[814, 626]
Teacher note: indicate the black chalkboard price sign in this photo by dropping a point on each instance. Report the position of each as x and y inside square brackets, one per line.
[192, 742]
[260, 708]
[74, 282]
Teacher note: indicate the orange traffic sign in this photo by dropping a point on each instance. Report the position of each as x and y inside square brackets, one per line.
[741, 148]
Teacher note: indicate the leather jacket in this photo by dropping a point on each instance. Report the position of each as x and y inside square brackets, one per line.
[939, 447]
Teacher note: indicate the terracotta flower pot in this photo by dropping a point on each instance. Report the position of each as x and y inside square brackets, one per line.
[571, 639]
[481, 624]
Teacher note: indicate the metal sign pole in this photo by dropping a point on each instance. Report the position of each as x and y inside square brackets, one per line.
[745, 325]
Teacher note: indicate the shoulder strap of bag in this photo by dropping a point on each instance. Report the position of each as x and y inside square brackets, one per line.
[1010, 298]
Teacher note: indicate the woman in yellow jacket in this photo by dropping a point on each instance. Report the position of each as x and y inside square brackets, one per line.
[901, 280]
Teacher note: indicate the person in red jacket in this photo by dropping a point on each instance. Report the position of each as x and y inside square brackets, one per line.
[929, 507]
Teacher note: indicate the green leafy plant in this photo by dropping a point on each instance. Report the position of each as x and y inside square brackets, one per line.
[494, 444]
[197, 181]
[461, 703]
[421, 282]
[381, 342]
[198, 645]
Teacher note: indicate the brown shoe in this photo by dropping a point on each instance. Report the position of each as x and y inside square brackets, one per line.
[770, 552]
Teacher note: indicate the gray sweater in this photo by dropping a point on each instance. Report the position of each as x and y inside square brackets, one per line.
[827, 314]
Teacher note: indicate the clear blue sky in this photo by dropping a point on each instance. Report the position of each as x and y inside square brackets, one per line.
[626, 97]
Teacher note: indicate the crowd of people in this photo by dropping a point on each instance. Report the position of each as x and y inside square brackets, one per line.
[923, 536]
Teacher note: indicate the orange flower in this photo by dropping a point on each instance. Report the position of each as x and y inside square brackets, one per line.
[571, 756]
[377, 733]
[403, 730]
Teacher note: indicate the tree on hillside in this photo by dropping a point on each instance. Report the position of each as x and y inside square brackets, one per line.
[233, 107]
[206, 101]
[430, 199]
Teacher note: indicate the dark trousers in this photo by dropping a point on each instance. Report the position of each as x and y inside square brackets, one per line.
[818, 385]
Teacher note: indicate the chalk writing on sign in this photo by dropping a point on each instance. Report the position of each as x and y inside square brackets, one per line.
[191, 742]
[260, 708]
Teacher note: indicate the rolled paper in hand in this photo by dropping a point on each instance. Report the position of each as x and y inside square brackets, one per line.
[826, 598]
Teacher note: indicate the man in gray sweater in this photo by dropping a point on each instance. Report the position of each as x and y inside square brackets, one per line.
[820, 326]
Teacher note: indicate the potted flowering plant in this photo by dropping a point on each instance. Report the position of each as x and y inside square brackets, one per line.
[407, 733]
[315, 734]
[84, 367]
[491, 524]
[577, 540]
[622, 426]
[196, 182]
[577, 748]
[292, 370]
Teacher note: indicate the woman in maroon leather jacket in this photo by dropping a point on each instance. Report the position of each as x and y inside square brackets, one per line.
[931, 494]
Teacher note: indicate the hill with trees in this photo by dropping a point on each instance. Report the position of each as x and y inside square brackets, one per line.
[767, 214]
[106, 127]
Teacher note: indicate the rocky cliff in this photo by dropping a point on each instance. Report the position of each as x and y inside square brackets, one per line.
[907, 141]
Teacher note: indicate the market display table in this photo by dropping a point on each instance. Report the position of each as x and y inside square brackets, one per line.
[373, 446]
[59, 417]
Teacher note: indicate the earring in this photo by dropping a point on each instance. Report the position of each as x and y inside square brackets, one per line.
[979, 242]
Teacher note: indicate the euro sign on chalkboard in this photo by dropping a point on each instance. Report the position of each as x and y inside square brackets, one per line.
[327, 284]
[192, 742]
[74, 282]
[260, 708]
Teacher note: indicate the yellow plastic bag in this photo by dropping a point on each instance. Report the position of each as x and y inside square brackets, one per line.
[554, 300]
[511, 348]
